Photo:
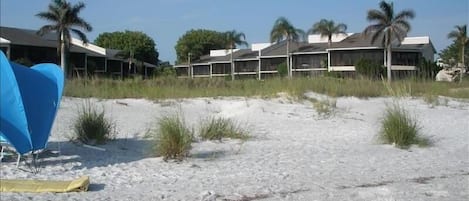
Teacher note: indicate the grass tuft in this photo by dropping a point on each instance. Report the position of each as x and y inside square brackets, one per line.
[172, 138]
[92, 127]
[219, 128]
[400, 129]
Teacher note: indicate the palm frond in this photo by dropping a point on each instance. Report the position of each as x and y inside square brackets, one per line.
[81, 35]
[53, 17]
[405, 14]
[387, 8]
[78, 21]
[46, 29]
[376, 15]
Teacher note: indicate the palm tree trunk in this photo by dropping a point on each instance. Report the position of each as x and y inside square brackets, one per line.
[462, 53]
[232, 64]
[62, 54]
[388, 61]
[463, 64]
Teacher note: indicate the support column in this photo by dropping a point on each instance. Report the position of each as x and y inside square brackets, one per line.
[211, 70]
[86, 65]
[260, 65]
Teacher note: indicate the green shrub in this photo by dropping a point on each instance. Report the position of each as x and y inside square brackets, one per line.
[25, 61]
[172, 138]
[92, 127]
[400, 129]
[165, 71]
[369, 69]
[427, 69]
[218, 128]
[282, 69]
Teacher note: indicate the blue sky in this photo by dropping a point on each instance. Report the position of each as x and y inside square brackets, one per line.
[167, 20]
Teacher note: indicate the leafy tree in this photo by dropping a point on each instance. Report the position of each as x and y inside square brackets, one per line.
[233, 38]
[198, 42]
[64, 18]
[460, 37]
[388, 26]
[284, 30]
[134, 45]
[327, 28]
[450, 54]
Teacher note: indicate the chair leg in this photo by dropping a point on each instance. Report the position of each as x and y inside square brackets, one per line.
[1, 153]
[18, 160]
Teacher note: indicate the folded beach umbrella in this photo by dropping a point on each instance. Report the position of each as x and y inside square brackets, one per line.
[13, 123]
[40, 91]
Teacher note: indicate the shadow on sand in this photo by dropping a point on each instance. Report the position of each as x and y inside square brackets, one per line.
[113, 152]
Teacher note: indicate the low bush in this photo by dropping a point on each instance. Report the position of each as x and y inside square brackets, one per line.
[369, 69]
[325, 108]
[92, 127]
[400, 129]
[282, 69]
[218, 128]
[172, 138]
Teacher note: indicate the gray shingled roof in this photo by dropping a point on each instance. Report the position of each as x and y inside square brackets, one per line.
[25, 37]
[359, 40]
[356, 40]
[280, 49]
[28, 37]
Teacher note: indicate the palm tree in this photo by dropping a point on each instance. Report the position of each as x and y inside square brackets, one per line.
[460, 36]
[234, 38]
[327, 28]
[64, 17]
[389, 27]
[284, 30]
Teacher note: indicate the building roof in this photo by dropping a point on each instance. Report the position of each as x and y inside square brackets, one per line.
[360, 41]
[26, 37]
[280, 49]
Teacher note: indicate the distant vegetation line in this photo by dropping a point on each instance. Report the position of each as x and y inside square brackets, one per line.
[171, 88]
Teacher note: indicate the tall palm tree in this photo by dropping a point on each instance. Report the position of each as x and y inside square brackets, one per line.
[64, 17]
[284, 30]
[327, 28]
[460, 36]
[389, 27]
[234, 38]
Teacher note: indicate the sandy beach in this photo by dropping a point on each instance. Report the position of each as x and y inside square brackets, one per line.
[294, 153]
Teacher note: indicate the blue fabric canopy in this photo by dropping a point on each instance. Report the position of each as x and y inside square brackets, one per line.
[29, 100]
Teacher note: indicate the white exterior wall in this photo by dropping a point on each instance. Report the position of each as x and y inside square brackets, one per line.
[416, 40]
[89, 46]
[259, 46]
[316, 38]
[220, 53]
[4, 41]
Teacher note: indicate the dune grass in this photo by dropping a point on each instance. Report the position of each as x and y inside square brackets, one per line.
[91, 126]
[168, 88]
[400, 129]
[214, 128]
[172, 138]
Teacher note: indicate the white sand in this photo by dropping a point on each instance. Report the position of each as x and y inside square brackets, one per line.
[295, 154]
